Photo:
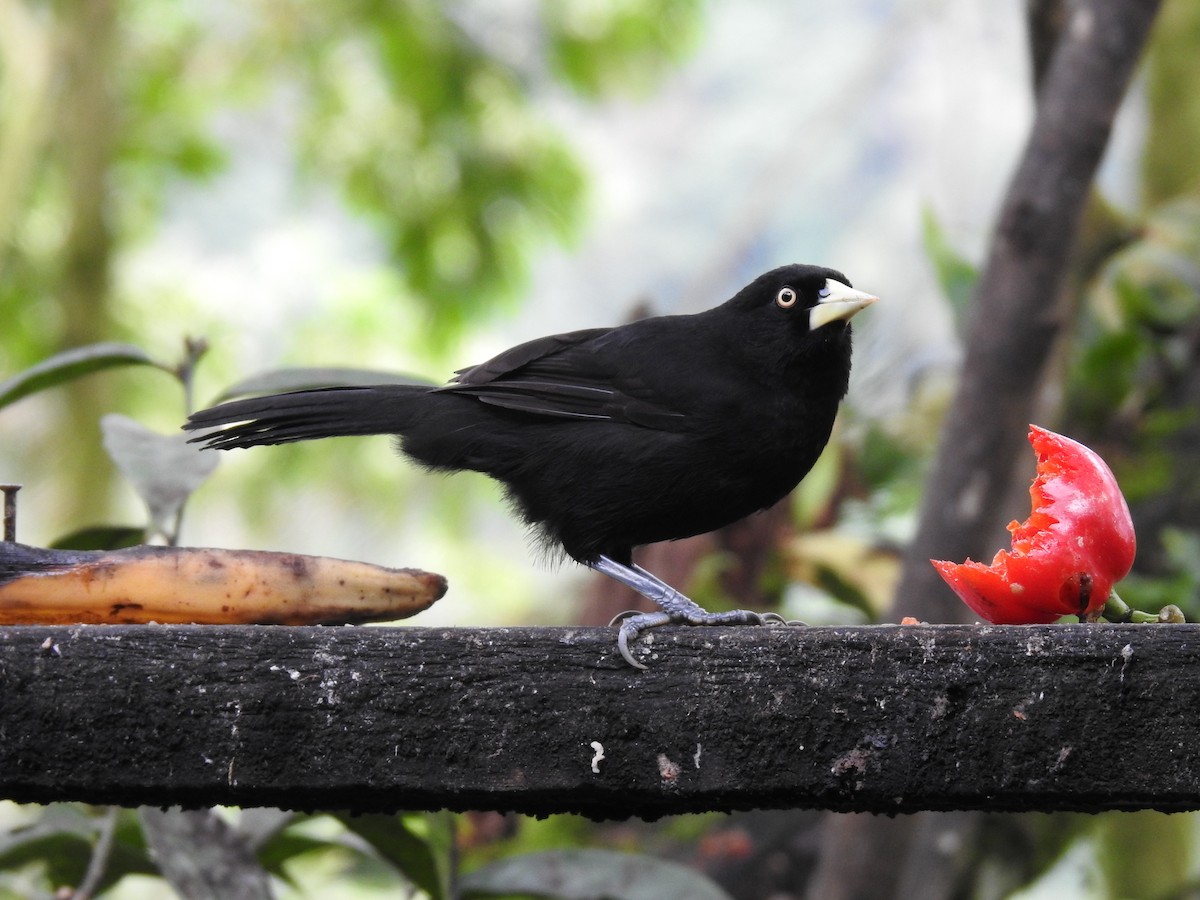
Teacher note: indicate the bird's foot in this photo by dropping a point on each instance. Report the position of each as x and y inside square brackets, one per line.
[623, 615]
[676, 608]
[634, 623]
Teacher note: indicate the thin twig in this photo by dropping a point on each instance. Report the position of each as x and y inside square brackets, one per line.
[100, 856]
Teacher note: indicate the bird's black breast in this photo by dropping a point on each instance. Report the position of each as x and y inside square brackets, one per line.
[741, 446]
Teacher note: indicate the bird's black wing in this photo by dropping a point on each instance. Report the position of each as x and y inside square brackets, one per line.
[573, 375]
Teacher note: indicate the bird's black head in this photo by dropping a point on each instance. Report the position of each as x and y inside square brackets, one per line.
[792, 326]
[808, 297]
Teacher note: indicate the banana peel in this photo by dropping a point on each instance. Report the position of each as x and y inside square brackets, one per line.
[179, 585]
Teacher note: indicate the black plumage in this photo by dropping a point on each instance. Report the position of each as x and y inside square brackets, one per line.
[610, 438]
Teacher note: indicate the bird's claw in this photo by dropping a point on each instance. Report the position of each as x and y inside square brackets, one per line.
[634, 623]
[773, 618]
[623, 615]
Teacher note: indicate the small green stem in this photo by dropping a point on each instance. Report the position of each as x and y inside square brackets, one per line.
[1117, 610]
[1142, 618]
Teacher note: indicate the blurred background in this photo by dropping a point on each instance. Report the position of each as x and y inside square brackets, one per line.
[414, 186]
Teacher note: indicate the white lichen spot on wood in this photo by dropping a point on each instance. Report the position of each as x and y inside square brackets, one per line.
[668, 771]
[1126, 659]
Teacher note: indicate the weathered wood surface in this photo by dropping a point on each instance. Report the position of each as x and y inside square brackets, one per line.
[883, 719]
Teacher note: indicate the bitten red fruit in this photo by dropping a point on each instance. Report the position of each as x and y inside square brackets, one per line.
[1077, 542]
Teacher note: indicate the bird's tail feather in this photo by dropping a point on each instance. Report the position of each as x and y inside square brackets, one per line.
[305, 415]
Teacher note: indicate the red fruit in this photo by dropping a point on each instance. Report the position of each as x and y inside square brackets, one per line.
[1077, 542]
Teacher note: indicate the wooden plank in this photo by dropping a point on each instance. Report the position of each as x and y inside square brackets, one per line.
[881, 719]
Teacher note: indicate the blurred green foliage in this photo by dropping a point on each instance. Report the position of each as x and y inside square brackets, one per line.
[1132, 387]
[429, 135]
[956, 276]
[1173, 127]
[601, 47]
[434, 142]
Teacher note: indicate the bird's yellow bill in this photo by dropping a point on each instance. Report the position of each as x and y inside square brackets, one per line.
[841, 302]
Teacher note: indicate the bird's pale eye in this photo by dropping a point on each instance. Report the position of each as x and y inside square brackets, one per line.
[786, 298]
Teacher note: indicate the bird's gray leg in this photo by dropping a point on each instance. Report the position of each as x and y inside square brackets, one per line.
[676, 608]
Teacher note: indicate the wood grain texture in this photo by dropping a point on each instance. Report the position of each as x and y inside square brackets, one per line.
[882, 719]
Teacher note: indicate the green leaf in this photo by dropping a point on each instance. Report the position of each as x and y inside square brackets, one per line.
[955, 274]
[71, 364]
[422, 859]
[590, 875]
[599, 48]
[1105, 372]
[1144, 853]
[63, 837]
[277, 381]
[1156, 287]
[101, 537]
[284, 846]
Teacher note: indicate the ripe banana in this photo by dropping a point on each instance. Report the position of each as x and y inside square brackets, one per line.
[203, 586]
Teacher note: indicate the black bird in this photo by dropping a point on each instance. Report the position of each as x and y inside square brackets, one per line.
[610, 438]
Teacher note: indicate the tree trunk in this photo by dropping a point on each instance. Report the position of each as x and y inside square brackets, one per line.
[88, 122]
